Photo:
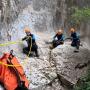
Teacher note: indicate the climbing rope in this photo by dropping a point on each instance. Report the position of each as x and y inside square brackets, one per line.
[10, 43]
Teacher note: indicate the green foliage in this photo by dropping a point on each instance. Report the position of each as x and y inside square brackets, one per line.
[80, 15]
[84, 83]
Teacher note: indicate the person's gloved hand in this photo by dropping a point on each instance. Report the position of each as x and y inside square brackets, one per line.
[22, 39]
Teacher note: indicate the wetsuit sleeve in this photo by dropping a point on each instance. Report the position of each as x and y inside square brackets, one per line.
[33, 38]
[24, 38]
[55, 36]
[78, 36]
[63, 37]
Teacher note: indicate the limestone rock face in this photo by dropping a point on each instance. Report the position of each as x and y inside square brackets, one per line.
[66, 61]
[44, 15]
[58, 69]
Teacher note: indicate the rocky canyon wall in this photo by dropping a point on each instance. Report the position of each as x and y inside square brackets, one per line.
[46, 15]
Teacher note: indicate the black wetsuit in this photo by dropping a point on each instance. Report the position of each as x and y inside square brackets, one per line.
[31, 44]
[75, 40]
[59, 41]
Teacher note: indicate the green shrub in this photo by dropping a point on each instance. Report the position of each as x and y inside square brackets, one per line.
[79, 15]
[84, 83]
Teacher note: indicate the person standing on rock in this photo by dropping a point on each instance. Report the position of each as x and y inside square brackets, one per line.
[58, 39]
[75, 39]
[32, 46]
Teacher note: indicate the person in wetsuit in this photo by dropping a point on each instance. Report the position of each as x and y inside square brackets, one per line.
[58, 39]
[31, 43]
[75, 38]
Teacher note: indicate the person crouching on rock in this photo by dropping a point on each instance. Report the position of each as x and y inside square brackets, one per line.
[32, 46]
[75, 39]
[60, 39]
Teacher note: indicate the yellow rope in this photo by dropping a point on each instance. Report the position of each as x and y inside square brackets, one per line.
[9, 43]
[29, 50]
